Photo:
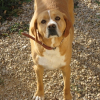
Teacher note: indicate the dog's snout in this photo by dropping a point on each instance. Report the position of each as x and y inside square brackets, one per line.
[52, 26]
[52, 30]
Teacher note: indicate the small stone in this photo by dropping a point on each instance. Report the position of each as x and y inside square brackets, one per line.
[79, 95]
[89, 5]
[97, 13]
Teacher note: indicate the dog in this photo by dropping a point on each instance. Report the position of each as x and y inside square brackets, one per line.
[52, 25]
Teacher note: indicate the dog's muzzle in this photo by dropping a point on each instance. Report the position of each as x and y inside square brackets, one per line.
[52, 30]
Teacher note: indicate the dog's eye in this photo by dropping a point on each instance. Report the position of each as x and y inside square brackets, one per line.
[43, 21]
[57, 18]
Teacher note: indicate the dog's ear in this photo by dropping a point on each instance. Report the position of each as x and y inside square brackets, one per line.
[68, 26]
[33, 27]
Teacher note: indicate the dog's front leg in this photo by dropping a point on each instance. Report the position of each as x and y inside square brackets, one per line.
[39, 95]
[66, 78]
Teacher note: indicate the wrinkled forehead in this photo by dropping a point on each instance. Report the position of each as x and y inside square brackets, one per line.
[49, 14]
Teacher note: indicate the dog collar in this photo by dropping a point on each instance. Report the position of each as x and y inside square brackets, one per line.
[41, 43]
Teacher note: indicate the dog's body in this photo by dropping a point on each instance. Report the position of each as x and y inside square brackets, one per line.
[53, 27]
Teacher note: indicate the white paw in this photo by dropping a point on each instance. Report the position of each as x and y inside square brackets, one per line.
[38, 98]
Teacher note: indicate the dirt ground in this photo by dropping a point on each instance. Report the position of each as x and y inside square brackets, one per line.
[17, 77]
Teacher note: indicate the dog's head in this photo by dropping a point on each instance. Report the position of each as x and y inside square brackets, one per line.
[51, 23]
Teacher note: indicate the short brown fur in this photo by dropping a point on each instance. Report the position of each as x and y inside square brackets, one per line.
[65, 49]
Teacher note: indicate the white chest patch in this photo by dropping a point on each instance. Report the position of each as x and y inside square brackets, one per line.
[52, 59]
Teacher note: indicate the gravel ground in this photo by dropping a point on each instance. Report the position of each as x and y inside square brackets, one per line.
[17, 77]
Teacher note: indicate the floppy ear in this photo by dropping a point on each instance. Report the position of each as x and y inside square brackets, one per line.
[33, 27]
[68, 26]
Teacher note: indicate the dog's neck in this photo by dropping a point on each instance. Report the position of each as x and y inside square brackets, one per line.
[42, 43]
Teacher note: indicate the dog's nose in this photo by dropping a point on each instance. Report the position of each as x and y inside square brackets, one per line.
[52, 30]
[52, 26]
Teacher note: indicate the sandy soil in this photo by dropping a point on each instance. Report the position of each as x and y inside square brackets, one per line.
[17, 77]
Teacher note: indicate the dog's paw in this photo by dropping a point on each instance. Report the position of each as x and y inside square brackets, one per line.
[38, 98]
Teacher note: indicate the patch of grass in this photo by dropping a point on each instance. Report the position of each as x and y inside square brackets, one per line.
[28, 0]
[16, 28]
[97, 2]
[9, 8]
[98, 16]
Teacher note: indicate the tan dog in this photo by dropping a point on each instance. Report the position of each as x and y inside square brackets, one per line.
[52, 24]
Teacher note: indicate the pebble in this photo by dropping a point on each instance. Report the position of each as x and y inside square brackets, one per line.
[97, 13]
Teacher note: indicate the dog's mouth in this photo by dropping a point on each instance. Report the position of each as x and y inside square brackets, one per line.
[52, 33]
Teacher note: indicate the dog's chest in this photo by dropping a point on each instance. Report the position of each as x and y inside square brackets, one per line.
[51, 59]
